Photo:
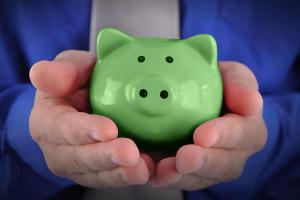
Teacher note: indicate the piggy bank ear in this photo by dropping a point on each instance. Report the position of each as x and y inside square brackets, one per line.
[205, 45]
[110, 39]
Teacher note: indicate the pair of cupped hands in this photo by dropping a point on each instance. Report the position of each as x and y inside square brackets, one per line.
[86, 149]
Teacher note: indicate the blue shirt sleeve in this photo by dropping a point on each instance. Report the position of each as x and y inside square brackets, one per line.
[265, 37]
[274, 171]
[29, 34]
[21, 159]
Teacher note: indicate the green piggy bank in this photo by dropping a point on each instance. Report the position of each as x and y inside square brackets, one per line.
[157, 91]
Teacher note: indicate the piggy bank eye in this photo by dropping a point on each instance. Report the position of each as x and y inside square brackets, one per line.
[141, 59]
[169, 59]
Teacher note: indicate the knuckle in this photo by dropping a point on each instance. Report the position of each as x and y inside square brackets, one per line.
[243, 71]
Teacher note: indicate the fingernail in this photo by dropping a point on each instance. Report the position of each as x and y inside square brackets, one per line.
[214, 139]
[95, 136]
[244, 83]
[114, 160]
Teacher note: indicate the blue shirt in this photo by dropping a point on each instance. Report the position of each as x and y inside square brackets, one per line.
[264, 35]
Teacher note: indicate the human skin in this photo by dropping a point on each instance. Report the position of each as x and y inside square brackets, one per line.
[223, 145]
[75, 144]
[86, 149]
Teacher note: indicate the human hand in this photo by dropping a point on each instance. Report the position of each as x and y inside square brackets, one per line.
[77, 145]
[223, 145]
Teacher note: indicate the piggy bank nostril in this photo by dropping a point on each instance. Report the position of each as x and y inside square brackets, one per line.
[164, 94]
[143, 93]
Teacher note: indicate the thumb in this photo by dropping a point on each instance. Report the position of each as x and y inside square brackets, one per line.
[69, 71]
[241, 93]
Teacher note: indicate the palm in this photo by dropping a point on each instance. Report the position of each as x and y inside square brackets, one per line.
[76, 144]
[221, 146]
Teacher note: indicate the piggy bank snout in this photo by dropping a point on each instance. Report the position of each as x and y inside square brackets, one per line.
[153, 95]
[163, 94]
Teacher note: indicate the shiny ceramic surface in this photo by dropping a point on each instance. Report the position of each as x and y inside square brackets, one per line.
[156, 90]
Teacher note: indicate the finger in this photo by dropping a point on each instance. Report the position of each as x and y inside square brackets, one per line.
[149, 162]
[64, 125]
[91, 158]
[240, 89]
[190, 182]
[232, 132]
[213, 164]
[69, 71]
[119, 177]
[238, 72]
[168, 176]
[79, 100]
[166, 173]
